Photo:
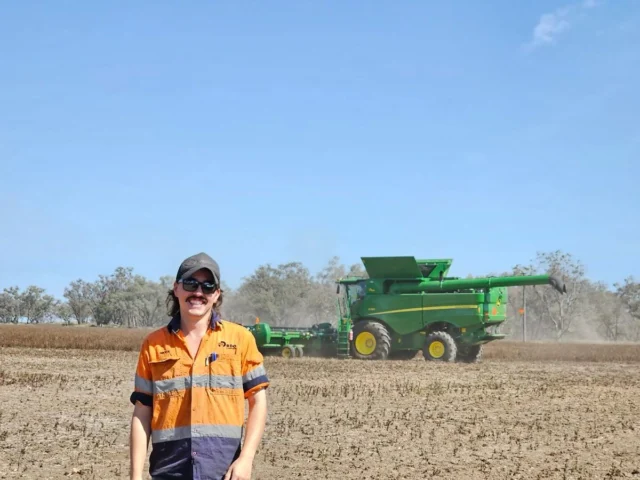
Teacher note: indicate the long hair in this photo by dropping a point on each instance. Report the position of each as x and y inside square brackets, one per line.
[173, 305]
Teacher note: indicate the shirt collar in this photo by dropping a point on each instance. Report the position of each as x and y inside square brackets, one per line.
[174, 324]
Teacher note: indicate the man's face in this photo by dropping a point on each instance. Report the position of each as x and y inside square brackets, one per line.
[196, 303]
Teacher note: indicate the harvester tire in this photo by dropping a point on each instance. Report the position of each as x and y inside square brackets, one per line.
[470, 354]
[440, 347]
[288, 351]
[371, 341]
[299, 353]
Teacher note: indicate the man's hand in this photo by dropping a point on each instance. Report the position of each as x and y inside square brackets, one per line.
[240, 469]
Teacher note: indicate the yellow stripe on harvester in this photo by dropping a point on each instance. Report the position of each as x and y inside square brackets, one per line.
[445, 307]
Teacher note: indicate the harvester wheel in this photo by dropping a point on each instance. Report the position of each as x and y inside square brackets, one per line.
[288, 351]
[470, 354]
[439, 346]
[298, 351]
[371, 341]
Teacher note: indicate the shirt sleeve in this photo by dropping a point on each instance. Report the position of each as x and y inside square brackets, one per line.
[143, 383]
[254, 375]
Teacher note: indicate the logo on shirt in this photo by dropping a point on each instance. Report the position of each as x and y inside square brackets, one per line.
[229, 346]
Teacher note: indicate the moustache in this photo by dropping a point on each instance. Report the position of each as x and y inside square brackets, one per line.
[197, 297]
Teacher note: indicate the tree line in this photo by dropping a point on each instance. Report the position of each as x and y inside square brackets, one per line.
[289, 294]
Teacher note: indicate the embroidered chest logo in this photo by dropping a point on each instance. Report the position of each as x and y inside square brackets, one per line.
[229, 346]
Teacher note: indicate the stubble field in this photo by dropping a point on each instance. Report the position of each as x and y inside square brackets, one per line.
[64, 413]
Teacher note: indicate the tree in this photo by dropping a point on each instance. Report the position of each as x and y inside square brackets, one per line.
[78, 295]
[288, 294]
[605, 312]
[36, 306]
[122, 298]
[32, 305]
[334, 270]
[558, 311]
[106, 299]
[277, 294]
[10, 305]
[629, 293]
[146, 300]
[64, 312]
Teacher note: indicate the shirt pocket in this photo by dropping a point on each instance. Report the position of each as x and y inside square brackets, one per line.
[167, 380]
[225, 375]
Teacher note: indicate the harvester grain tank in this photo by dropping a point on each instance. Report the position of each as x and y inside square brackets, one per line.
[407, 305]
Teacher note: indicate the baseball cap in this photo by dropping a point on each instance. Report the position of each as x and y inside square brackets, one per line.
[196, 262]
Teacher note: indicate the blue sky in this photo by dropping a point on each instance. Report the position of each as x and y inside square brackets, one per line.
[138, 134]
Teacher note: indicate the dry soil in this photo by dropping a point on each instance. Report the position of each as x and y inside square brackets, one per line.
[65, 414]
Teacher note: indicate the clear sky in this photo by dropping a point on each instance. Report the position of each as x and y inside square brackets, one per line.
[138, 133]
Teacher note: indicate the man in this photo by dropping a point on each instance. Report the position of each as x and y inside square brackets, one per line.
[192, 379]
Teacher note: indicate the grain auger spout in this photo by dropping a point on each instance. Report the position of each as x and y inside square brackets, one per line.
[558, 284]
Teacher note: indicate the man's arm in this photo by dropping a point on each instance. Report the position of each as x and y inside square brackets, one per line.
[256, 421]
[139, 439]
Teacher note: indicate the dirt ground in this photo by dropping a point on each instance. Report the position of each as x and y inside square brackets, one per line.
[65, 414]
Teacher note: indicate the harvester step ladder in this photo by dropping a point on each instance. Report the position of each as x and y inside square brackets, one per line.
[343, 341]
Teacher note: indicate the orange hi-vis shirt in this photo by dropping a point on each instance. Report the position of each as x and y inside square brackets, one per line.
[198, 403]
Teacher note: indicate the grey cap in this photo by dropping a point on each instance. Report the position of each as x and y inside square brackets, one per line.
[196, 262]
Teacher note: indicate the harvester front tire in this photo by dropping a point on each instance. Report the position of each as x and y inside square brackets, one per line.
[440, 347]
[298, 351]
[371, 341]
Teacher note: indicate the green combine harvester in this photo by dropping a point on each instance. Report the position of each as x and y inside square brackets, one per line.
[404, 306]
